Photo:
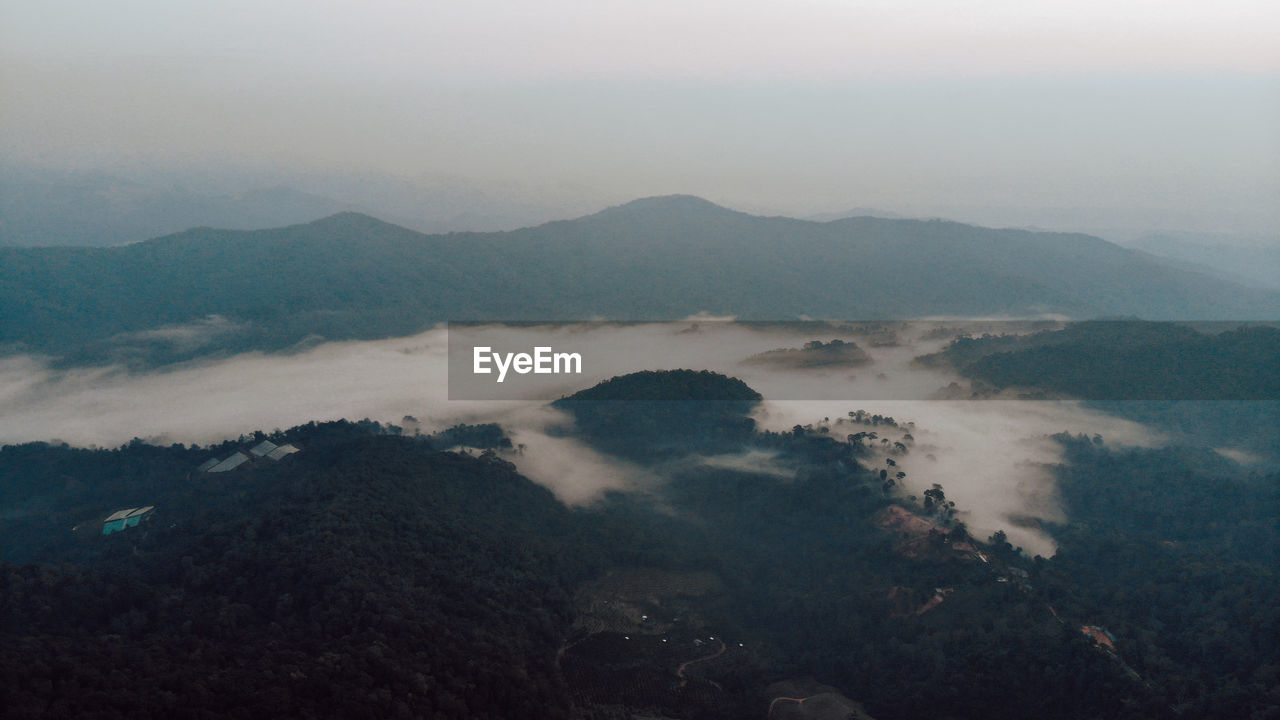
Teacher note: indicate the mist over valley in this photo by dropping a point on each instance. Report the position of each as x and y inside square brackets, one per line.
[639, 361]
[894, 453]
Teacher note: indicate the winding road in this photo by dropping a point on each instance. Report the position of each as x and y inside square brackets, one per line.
[798, 701]
[684, 666]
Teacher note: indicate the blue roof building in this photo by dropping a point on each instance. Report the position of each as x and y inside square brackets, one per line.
[125, 519]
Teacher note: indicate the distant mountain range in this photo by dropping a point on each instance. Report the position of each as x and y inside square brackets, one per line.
[353, 276]
[41, 207]
[1257, 265]
[856, 212]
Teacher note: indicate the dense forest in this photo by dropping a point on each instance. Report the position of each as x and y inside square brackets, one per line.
[1127, 360]
[375, 574]
[367, 576]
[650, 415]
[1180, 552]
[1201, 384]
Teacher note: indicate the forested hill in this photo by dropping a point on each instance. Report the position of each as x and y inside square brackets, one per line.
[368, 576]
[372, 575]
[351, 276]
[1216, 380]
[1126, 360]
[652, 415]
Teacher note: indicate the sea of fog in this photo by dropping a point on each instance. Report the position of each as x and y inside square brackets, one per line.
[991, 456]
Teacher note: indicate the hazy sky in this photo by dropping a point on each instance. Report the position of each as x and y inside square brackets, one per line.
[1164, 114]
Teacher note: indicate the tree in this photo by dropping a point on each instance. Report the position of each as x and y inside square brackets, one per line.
[1000, 545]
[934, 496]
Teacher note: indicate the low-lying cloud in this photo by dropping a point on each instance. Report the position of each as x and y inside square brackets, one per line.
[990, 456]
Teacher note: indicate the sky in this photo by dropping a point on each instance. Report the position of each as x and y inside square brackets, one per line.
[1088, 113]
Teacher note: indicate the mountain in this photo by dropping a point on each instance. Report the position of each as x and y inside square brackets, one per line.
[43, 207]
[353, 276]
[856, 212]
[1257, 265]
[46, 208]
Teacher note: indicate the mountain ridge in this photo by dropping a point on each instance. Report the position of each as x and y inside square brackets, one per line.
[354, 276]
[646, 209]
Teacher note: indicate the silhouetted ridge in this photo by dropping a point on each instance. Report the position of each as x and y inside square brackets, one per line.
[352, 226]
[352, 276]
[351, 222]
[668, 206]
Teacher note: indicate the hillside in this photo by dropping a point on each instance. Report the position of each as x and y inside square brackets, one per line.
[1126, 360]
[352, 276]
[1218, 379]
[366, 577]
[373, 575]
[47, 208]
[654, 415]
[1256, 264]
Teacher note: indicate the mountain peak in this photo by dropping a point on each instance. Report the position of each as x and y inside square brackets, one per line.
[668, 205]
[348, 221]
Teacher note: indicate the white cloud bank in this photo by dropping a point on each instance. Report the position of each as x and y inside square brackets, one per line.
[990, 456]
